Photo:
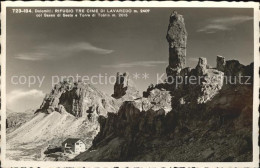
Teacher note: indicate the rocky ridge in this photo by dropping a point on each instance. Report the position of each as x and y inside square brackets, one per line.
[79, 99]
[206, 120]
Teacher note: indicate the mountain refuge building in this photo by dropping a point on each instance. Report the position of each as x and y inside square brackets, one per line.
[73, 145]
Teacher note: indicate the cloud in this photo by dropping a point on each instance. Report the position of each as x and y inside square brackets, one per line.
[21, 100]
[89, 47]
[32, 56]
[56, 51]
[223, 24]
[135, 64]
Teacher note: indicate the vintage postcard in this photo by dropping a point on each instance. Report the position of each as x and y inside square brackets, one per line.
[129, 84]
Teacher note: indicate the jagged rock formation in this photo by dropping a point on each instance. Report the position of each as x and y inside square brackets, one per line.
[177, 39]
[124, 88]
[69, 111]
[209, 132]
[78, 99]
[233, 68]
[206, 121]
[118, 131]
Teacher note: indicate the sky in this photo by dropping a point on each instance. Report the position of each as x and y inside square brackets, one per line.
[47, 47]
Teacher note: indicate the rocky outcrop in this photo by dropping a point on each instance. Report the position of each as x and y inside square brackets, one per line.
[157, 97]
[234, 71]
[212, 131]
[120, 133]
[233, 67]
[124, 88]
[177, 39]
[78, 99]
[205, 121]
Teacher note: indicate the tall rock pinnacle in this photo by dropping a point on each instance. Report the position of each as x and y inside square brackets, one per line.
[177, 39]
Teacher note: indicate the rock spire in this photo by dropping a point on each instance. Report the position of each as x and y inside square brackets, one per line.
[177, 39]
